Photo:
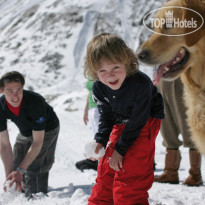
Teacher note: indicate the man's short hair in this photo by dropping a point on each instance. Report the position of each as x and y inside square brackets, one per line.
[12, 76]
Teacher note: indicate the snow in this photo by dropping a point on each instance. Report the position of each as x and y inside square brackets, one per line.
[64, 88]
[89, 150]
[69, 186]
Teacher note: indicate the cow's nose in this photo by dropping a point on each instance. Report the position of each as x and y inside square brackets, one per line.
[143, 55]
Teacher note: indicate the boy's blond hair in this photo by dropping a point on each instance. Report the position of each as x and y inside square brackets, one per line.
[110, 48]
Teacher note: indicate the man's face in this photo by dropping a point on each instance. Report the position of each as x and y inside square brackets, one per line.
[13, 92]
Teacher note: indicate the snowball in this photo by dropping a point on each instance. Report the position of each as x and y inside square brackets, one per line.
[89, 150]
[12, 188]
[11, 194]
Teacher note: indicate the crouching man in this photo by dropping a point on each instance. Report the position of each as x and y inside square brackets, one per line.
[34, 149]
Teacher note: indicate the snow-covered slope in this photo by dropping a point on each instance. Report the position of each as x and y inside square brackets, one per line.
[47, 39]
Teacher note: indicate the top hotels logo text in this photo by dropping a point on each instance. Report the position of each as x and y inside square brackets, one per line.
[170, 21]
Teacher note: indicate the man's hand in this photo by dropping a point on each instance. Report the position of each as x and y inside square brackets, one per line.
[116, 161]
[16, 177]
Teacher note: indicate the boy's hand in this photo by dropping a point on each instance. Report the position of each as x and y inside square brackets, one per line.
[116, 161]
[97, 149]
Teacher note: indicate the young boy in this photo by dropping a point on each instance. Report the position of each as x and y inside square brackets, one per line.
[130, 111]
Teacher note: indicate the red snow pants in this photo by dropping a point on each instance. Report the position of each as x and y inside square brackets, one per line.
[130, 185]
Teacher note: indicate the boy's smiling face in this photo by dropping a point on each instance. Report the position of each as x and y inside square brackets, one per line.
[112, 74]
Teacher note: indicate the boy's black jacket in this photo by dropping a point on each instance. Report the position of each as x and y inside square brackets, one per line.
[132, 104]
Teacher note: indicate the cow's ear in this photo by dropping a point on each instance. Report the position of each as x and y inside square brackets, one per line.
[191, 14]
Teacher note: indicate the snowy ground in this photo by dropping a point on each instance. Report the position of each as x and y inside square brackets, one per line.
[69, 186]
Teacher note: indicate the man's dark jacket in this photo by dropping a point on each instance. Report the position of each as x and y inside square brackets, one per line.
[35, 114]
